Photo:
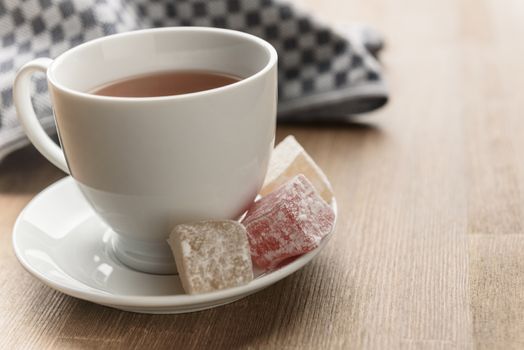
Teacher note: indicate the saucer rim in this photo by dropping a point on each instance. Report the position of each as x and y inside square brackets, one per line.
[102, 297]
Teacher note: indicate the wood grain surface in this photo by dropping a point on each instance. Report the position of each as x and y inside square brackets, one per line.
[429, 248]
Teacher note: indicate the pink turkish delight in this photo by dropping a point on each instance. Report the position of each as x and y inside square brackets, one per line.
[287, 222]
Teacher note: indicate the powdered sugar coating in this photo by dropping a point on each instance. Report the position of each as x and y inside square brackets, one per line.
[211, 255]
[288, 222]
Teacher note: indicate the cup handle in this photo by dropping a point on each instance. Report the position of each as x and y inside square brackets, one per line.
[27, 117]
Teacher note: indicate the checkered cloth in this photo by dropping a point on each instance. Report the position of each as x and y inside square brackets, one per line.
[322, 73]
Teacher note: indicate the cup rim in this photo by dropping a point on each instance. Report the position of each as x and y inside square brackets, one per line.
[273, 58]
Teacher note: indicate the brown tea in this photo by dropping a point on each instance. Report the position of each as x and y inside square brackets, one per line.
[165, 84]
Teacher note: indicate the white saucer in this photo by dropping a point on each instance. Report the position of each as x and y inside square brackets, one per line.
[60, 240]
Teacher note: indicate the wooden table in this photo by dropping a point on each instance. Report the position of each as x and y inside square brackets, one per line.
[429, 249]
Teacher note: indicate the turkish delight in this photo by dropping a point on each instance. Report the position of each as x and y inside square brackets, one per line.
[290, 159]
[211, 255]
[287, 222]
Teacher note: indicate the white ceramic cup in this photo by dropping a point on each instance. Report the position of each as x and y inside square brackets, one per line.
[146, 164]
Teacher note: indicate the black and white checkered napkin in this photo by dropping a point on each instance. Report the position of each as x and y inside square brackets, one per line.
[321, 72]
